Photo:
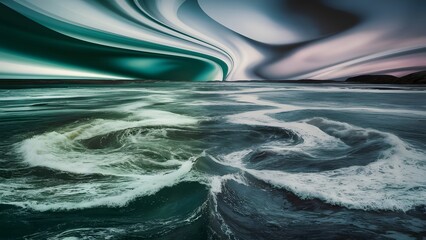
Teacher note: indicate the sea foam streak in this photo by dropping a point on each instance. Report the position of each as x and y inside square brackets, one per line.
[119, 159]
[120, 172]
[394, 181]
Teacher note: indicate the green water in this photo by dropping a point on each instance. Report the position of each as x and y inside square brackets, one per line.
[212, 161]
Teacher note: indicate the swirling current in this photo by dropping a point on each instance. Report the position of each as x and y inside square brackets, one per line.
[181, 160]
[212, 161]
[210, 39]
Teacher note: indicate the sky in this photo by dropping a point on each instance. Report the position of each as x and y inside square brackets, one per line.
[199, 40]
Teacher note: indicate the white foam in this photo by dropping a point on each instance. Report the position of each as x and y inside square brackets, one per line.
[108, 192]
[313, 137]
[387, 111]
[125, 177]
[234, 159]
[62, 151]
[216, 182]
[393, 182]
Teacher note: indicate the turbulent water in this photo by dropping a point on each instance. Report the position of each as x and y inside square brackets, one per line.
[212, 161]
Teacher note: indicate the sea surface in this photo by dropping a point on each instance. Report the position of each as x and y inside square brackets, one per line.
[213, 161]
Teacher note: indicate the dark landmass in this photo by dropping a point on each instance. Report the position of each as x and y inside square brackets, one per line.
[375, 79]
[414, 78]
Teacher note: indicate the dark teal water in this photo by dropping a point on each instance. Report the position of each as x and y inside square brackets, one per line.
[213, 161]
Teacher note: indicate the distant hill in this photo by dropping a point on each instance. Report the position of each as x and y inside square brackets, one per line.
[414, 78]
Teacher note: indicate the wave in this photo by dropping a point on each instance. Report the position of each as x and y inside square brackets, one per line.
[111, 161]
[391, 180]
[96, 193]
[122, 159]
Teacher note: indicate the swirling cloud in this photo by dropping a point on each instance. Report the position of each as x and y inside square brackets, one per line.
[210, 39]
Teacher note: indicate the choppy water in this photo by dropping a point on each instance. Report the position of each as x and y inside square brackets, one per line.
[212, 161]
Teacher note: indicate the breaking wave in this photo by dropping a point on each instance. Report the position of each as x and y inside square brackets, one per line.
[392, 181]
[363, 169]
[120, 159]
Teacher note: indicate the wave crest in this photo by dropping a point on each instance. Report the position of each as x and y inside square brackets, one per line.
[120, 159]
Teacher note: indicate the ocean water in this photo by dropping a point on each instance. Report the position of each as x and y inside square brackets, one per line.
[213, 161]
